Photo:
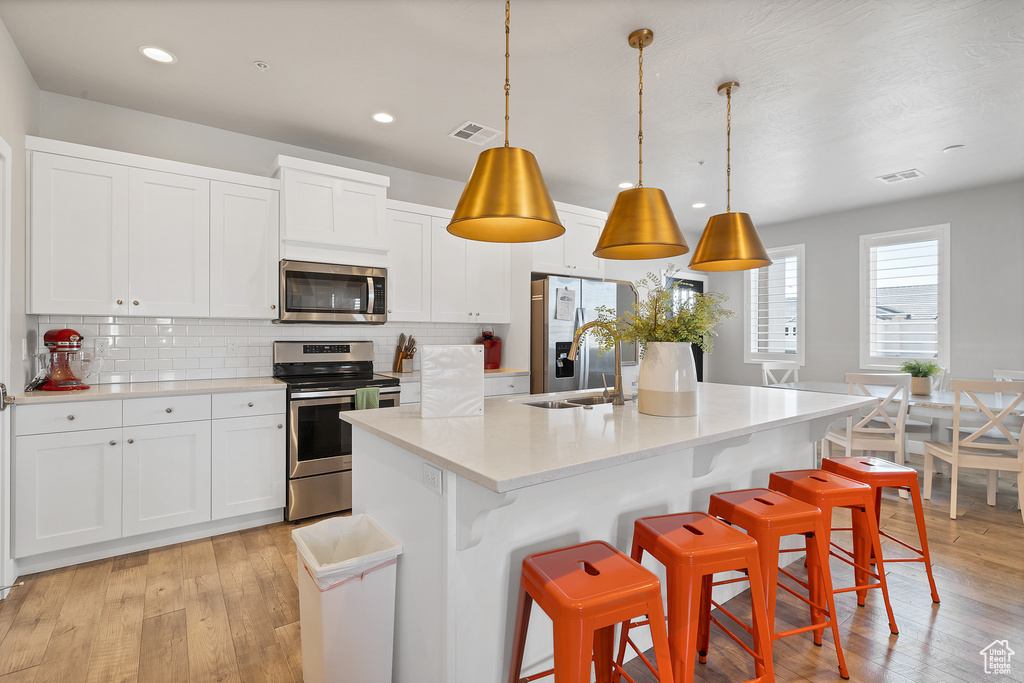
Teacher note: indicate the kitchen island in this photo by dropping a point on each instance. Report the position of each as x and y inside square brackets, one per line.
[468, 498]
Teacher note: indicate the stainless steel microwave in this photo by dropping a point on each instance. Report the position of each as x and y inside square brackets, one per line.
[330, 293]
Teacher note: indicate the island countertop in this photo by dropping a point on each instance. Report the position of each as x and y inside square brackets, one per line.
[516, 445]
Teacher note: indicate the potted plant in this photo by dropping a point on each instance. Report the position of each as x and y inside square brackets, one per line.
[664, 329]
[921, 373]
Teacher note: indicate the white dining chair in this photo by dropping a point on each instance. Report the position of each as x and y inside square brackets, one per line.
[919, 430]
[879, 428]
[973, 445]
[1008, 375]
[779, 372]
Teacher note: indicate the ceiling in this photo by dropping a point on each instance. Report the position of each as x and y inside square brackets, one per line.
[833, 94]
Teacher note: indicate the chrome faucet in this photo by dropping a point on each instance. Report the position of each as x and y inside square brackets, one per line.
[616, 392]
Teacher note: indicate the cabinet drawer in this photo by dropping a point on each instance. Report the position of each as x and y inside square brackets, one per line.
[503, 385]
[165, 409]
[66, 417]
[245, 403]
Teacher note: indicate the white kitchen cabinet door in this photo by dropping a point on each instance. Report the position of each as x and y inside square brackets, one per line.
[449, 299]
[329, 210]
[67, 490]
[244, 238]
[166, 476]
[249, 459]
[78, 236]
[409, 266]
[572, 254]
[488, 287]
[168, 244]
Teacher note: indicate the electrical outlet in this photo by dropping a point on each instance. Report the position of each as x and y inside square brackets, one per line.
[432, 478]
[232, 347]
[102, 347]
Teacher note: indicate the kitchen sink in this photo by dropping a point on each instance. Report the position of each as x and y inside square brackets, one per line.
[553, 405]
[589, 400]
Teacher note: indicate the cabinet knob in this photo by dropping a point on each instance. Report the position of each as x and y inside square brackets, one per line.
[70, 418]
[478, 314]
[280, 426]
[511, 386]
[131, 440]
[273, 306]
[389, 311]
[250, 404]
[170, 410]
[113, 443]
[119, 302]
[135, 303]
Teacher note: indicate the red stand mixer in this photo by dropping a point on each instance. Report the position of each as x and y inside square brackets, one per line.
[66, 364]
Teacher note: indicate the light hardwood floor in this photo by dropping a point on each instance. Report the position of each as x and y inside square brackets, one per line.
[226, 609]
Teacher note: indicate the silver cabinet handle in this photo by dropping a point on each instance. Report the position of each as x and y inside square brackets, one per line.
[5, 400]
[280, 426]
[135, 303]
[113, 443]
[273, 306]
[170, 410]
[131, 440]
[250, 404]
[71, 418]
[119, 302]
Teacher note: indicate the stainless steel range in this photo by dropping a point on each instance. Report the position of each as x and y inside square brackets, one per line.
[322, 379]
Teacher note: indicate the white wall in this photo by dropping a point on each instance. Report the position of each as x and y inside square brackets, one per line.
[986, 276]
[19, 114]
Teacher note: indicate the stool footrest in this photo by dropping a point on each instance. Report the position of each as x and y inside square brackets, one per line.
[905, 545]
[803, 629]
[629, 641]
[737, 640]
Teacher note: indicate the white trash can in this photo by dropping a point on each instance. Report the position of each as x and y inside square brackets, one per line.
[347, 572]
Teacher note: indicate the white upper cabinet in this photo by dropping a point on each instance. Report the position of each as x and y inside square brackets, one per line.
[168, 244]
[331, 207]
[469, 279]
[573, 252]
[112, 233]
[409, 261]
[243, 251]
[78, 240]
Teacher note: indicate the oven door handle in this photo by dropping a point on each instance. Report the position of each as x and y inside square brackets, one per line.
[347, 393]
[369, 295]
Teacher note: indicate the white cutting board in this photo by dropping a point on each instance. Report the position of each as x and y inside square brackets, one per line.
[452, 381]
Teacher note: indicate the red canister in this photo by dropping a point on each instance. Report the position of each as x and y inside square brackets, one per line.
[492, 349]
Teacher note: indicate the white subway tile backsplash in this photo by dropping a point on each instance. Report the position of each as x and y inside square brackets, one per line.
[143, 330]
[145, 376]
[129, 365]
[159, 342]
[204, 373]
[159, 364]
[172, 353]
[199, 352]
[185, 363]
[142, 354]
[211, 362]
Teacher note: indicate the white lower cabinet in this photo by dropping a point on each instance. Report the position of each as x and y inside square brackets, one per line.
[166, 476]
[248, 465]
[67, 490]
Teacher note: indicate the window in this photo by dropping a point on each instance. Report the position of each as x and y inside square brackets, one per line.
[904, 297]
[773, 299]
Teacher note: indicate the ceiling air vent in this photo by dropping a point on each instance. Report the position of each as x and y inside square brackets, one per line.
[900, 176]
[475, 133]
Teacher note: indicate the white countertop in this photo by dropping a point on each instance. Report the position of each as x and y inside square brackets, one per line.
[415, 376]
[144, 389]
[515, 445]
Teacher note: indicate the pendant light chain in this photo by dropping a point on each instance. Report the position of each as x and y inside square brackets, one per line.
[507, 12]
[728, 150]
[640, 131]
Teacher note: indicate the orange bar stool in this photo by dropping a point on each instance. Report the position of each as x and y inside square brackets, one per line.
[586, 590]
[768, 516]
[878, 474]
[827, 491]
[693, 546]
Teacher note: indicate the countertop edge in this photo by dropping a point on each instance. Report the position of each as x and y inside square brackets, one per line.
[129, 390]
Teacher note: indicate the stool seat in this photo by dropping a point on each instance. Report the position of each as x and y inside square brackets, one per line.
[693, 546]
[878, 474]
[585, 590]
[763, 508]
[820, 485]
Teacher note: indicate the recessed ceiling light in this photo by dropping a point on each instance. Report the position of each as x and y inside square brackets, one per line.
[955, 148]
[625, 186]
[383, 117]
[699, 205]
[158, 55]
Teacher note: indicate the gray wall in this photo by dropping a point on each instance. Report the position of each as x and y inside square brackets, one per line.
[986, 276]
[19, 115]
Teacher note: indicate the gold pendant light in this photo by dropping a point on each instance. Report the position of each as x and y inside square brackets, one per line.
[729, 241]
[641, 224]
[506, 199]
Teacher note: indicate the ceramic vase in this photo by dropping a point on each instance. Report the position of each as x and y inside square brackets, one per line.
[920, 386]
[667, 384]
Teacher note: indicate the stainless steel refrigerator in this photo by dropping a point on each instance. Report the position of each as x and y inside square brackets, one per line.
[553, 324]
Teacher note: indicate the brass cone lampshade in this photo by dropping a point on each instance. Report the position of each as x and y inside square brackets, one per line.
[730, 240]
[641, 226]
[506, 200]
